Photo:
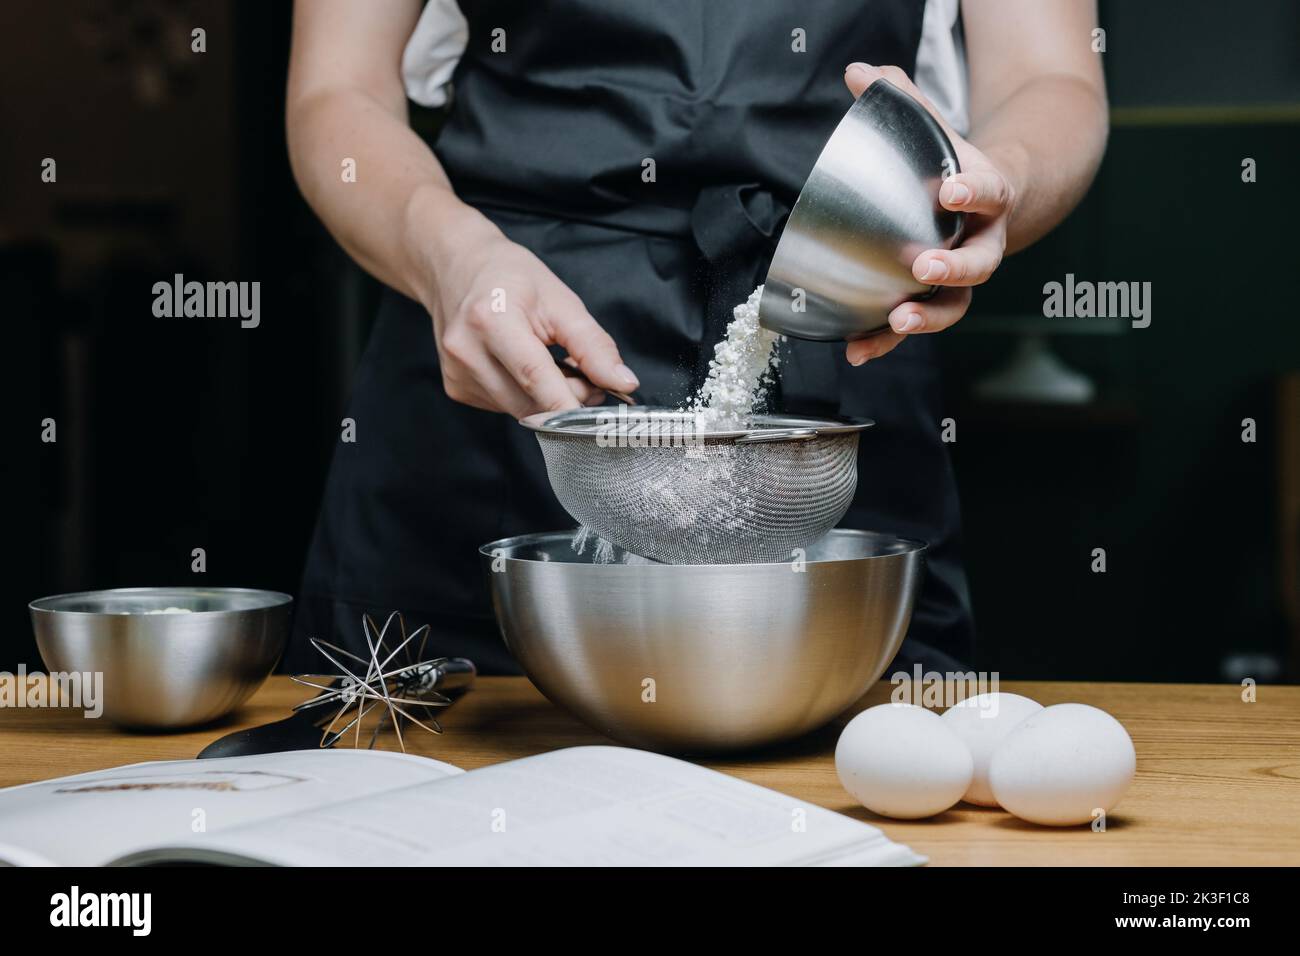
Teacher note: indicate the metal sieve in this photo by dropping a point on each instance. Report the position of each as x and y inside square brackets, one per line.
[647, 480]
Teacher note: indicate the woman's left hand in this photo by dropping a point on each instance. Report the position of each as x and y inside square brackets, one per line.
[982, 192]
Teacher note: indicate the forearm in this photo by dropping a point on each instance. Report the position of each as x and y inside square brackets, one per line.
[1047, 138]
[399, 219]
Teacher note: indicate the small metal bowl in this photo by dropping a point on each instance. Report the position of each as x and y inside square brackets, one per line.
[701, 658]
[870, 206]
[165, 670]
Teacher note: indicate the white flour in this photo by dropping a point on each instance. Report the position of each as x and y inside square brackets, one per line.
[602, 551]
[741, 371]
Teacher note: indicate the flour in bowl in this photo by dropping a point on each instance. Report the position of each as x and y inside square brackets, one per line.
[743, 368]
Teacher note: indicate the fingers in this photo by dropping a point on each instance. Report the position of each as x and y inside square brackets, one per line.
[495, 361]
[583, 390]
[589, 346]
[494, 338]
[859, 76]
[979, 191]
[486, 385]
[911, 318]
[864, 350]
[500, 360]
[529, 363]
[496, 391]
[969, 264]
[933, 315]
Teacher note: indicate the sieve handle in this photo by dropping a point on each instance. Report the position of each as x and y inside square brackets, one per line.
[570, 368]
[784, 434]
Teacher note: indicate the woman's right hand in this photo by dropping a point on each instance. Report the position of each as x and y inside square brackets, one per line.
[496, 307]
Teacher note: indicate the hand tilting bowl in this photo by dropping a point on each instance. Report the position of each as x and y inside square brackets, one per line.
[869, 208]
[704, 657]
[171, 657]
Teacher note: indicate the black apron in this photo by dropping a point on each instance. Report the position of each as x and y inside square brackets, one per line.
[550, 139]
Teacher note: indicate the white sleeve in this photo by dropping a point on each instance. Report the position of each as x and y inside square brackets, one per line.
[941, 63]
[432, 52]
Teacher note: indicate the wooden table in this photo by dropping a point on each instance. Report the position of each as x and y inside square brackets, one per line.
[1218, 779]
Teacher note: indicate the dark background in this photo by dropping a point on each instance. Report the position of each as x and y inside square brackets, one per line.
[174, 435]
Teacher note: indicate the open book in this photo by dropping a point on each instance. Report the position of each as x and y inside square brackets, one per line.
[606, 806]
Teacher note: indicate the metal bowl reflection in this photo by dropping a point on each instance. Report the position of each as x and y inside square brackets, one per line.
[705, 657]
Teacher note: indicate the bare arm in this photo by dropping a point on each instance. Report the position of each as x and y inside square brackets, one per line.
[346, 101]
[1038, 131]
[495, 306]
[1038, 104]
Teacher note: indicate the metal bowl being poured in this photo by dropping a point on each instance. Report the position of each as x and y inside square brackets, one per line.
[869, 208]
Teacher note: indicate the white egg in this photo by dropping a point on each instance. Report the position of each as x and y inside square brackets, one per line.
[1061, 764]
[981, 722]
[902, 761]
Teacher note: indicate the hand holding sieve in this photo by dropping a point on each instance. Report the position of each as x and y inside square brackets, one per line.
[571, 370]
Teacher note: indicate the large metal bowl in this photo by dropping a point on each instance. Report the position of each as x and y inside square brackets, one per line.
[165, 670]
[699, 658]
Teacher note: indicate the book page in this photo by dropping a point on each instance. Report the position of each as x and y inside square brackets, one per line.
[92, 818]
[17, 856]
[607, 806]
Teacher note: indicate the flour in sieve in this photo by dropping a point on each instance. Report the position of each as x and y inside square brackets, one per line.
[742, 369]
[702, 494]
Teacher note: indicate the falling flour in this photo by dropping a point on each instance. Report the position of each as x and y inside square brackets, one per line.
[602, 552]
[741, 371]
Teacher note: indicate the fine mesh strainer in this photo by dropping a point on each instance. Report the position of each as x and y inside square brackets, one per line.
[648, 481]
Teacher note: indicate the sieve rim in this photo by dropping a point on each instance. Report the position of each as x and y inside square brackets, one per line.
[506, 548]
[585, 423]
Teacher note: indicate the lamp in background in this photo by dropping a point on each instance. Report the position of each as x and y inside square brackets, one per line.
[1034, 374]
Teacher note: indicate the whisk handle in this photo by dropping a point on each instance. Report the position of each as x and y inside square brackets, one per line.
[456, 673]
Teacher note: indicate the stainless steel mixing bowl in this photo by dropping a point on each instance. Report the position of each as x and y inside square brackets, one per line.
[165, 670]
[701, 658]
[870, 206]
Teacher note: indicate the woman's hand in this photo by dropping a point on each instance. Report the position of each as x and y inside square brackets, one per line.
[496, 307]
[982, 192]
